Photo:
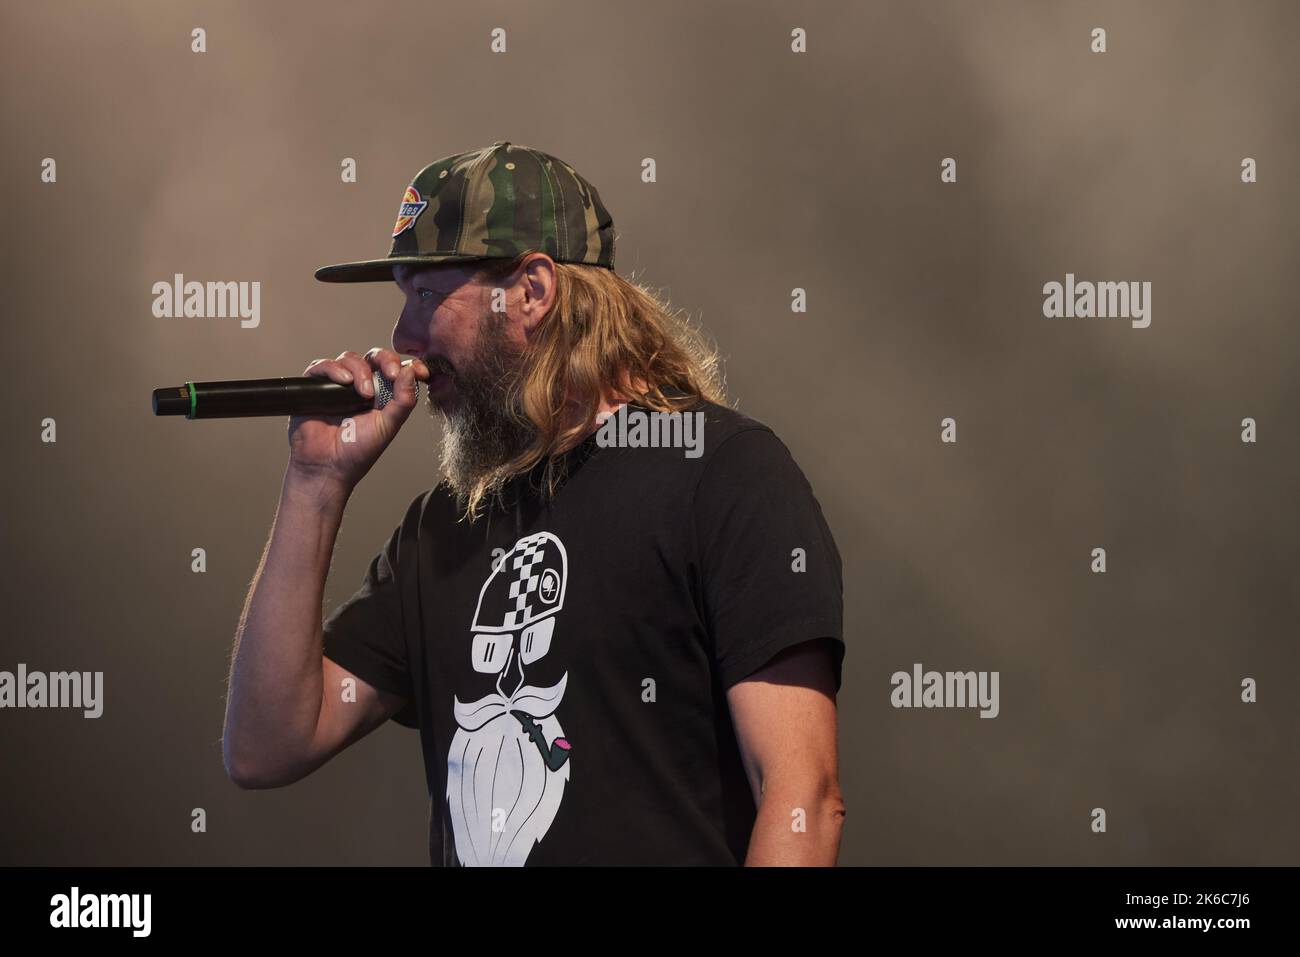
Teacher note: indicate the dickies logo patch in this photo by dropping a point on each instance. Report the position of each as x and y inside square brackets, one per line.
[410, 210]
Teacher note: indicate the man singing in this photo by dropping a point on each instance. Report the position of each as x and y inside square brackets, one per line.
[616, 621]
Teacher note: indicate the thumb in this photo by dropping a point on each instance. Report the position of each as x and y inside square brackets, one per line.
[405, 397]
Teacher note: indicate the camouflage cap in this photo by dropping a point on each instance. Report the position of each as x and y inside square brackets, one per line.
[492, 203]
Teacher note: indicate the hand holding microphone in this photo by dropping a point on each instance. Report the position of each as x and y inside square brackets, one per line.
[376, 392]
[305, 395]
[321, 445]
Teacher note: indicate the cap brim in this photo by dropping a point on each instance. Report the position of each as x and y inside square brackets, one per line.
[381, 270]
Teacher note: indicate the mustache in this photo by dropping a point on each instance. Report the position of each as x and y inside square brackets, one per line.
[439, 365]
[533, 701]
[486, 379]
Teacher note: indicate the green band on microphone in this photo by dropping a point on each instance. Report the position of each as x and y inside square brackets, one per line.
[194, 396]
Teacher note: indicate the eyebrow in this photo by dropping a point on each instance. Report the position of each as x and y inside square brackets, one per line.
[408, 275]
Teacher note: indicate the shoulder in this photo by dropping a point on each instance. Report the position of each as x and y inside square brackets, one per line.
[724, 423]
[740, 446]
[721, 432]
[706, 443]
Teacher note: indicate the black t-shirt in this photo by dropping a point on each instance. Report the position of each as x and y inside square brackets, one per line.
[566, 660]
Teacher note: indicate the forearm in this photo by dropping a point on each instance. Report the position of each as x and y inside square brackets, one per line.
[798, 825]
[274, 697]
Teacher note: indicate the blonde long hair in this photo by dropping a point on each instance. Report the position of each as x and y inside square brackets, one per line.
[603, 335]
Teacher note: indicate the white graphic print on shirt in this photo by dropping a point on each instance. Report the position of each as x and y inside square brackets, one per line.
[509, 760]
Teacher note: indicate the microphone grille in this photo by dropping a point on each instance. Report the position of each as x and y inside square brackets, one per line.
[384, 390]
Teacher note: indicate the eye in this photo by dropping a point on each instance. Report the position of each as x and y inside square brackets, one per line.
[425, 294]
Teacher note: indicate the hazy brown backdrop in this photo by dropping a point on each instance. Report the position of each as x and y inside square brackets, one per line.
[775, 171]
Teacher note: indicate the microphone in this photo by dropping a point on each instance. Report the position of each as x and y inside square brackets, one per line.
[298, 395]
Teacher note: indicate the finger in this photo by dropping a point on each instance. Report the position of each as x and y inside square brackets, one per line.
[388, 362]
[360, 370]
[329, 369]
[421, 369]
[406, 383]
[404, 398]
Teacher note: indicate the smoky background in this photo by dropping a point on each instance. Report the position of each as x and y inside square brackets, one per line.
[775, 171]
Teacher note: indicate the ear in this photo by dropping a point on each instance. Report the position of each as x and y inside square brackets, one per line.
[537, 282]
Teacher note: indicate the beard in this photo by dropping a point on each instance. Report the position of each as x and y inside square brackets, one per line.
[485, 426]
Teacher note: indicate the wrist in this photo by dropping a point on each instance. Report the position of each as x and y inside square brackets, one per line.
[320, 489]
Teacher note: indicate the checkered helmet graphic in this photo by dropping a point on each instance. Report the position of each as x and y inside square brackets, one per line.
[520, 599]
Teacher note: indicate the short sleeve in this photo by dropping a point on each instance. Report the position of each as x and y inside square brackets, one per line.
[769, 569]
[365, 634]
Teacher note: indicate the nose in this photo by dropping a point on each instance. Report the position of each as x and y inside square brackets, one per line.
[410, 337]
[519, 665]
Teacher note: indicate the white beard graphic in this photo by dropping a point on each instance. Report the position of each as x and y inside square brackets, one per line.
[501, 794]
[508, 763]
